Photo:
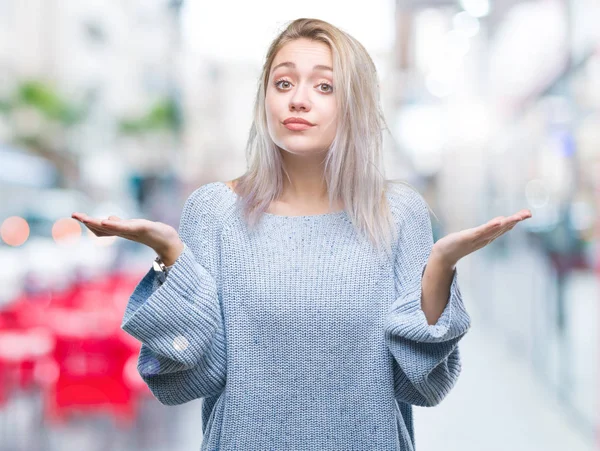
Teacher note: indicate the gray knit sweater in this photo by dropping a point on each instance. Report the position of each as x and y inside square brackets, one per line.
[297, 336]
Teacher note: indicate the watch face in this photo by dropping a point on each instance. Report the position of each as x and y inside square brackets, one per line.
[156, 266]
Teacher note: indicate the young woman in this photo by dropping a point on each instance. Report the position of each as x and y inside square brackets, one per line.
[305, 302]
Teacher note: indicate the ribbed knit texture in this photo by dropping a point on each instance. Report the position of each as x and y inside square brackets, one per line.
[297, 335]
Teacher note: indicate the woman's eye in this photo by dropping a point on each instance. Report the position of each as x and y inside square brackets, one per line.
[278, 84]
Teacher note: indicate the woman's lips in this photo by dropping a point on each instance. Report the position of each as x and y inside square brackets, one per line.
[297, 126]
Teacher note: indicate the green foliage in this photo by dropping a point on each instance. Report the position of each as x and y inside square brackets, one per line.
[41, 96]
[164, 115]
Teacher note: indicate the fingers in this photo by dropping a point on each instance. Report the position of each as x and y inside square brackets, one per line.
[501, 231]
[499, 225]
[98, 232]
[98, 226]
[491, 227]
[124, 228]
[94, 222]
[521, 215]
[509, 223]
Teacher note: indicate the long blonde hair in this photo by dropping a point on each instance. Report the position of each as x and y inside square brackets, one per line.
[353, 165]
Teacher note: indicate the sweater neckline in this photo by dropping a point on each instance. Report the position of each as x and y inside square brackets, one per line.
[333, 214]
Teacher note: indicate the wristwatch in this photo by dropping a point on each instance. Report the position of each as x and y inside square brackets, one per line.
[162, 271]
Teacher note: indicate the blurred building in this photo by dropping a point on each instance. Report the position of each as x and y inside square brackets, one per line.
[498, 108]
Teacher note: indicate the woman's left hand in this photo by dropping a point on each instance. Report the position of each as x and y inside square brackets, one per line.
[454, 246]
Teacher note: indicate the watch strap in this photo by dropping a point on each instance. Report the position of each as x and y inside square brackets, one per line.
[161, 269]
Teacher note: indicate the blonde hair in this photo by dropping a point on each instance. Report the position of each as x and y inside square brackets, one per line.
[353, 171]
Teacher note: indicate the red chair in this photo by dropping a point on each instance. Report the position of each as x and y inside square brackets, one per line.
[90, 379]
[70, 344]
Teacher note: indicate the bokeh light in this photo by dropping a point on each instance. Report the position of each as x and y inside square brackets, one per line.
[66, 231]
[14, 231]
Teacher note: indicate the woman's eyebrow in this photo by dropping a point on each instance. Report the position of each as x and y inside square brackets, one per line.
[293, 66]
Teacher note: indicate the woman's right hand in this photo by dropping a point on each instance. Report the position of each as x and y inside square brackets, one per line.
[160, 237]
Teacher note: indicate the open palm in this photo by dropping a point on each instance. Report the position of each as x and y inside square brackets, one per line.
[454, 246]
[154, 234]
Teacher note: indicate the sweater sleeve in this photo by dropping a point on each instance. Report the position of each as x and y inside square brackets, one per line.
[427, 356]
[179, 323]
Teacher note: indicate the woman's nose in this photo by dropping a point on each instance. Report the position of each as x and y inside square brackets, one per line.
[299, 101]
[299, 105]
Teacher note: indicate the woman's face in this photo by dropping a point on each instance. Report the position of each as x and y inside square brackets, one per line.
[298, 89]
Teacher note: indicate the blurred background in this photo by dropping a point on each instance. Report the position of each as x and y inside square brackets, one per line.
[125, 107]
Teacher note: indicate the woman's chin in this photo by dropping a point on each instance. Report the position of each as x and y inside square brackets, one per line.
[303, 151]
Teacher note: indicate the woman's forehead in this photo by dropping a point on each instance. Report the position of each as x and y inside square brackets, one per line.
[304, 55]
